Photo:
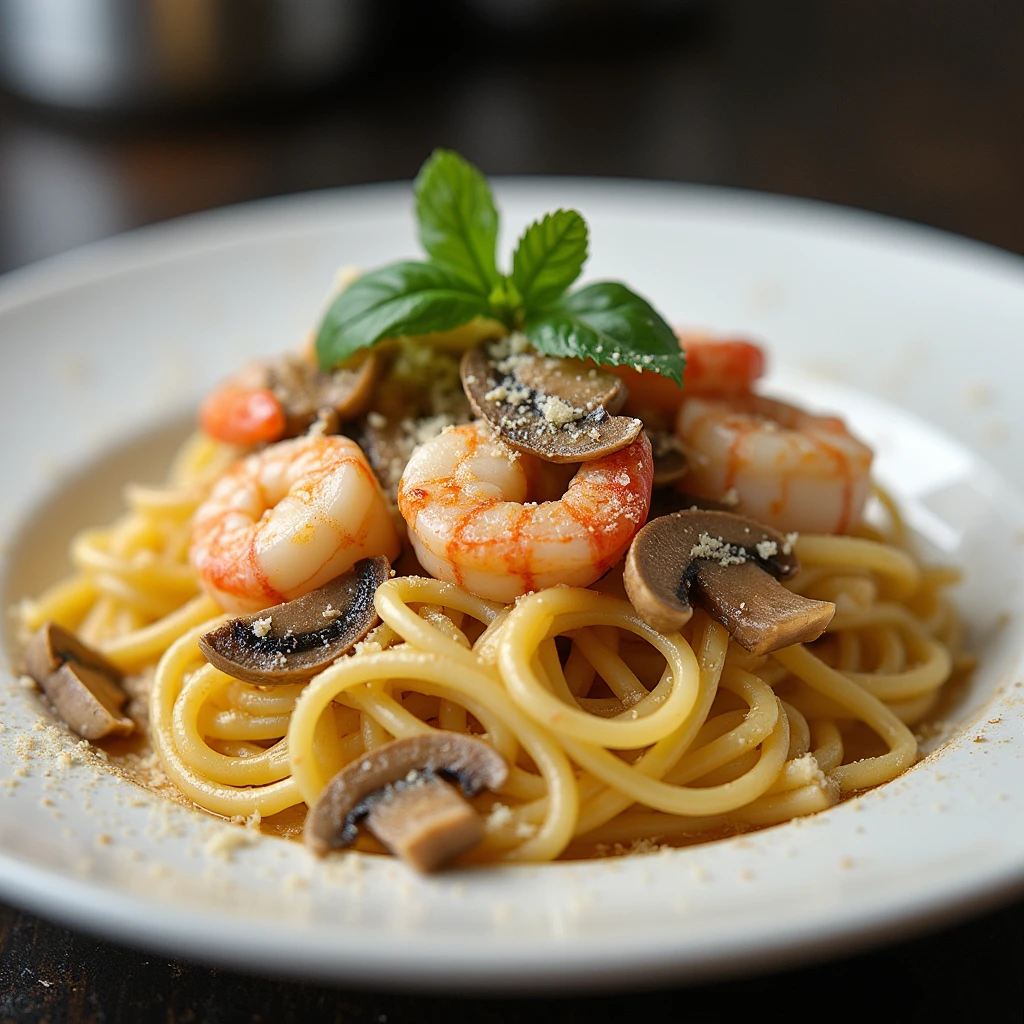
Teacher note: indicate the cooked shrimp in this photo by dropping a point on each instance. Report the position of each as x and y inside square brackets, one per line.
[241, 415]
[783, 466]
[713, 366]
[286, 520]
[719, 365]
[466, 497]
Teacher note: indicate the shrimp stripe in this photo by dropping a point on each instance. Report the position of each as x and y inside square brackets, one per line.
[288, 519]
[466, 499]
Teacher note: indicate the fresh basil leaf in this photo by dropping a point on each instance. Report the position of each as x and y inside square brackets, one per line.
[549, 257]
[400, 299]
[505, 301]
[609, 324]
[458, 219]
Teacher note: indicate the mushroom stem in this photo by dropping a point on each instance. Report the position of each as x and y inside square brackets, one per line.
[730, 566]
[397, 791]
[81, 684]
[426, 822]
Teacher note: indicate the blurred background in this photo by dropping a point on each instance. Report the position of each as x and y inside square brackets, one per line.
[119, 113]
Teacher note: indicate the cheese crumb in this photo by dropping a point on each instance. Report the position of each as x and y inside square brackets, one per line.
[558, 411]
[261, 627]
[718, 550]
[227, 840]
[500, 816]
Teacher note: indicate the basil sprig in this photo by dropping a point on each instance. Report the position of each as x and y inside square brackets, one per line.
[458, 227]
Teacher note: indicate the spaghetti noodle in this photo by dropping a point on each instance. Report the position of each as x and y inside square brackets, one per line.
[616, 734]
[518, 479]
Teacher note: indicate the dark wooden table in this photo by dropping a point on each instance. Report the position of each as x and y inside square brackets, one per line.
[913, 109]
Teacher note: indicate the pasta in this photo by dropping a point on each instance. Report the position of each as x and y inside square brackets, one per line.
[621, 613]
[619, 736]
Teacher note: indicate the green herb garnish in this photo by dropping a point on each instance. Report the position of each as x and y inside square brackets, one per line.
[458, 223]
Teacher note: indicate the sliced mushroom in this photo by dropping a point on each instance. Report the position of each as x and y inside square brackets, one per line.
[730, 566]
[88, 701]
[670, 463]
[291, 642]
[399, 793]
[388, 443]
[52, 645]
[666, 500]
[576, 381]
[307, 394]
[559, 410]
[83, 686]
[387, 447]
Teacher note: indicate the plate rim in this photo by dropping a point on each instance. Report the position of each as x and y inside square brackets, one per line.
[115, 254]
[171, 240]
[651, 962]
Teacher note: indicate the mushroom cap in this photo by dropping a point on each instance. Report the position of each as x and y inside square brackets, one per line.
[52, 645]
[385, 444]
[728, 564]
[556, 409]
[332, 822]
[576, 381]
[670, 463]
[667, 500]
[292, 642]
[307, 393]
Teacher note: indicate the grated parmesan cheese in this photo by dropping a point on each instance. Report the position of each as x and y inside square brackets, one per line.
[717, 549]
[558, 411]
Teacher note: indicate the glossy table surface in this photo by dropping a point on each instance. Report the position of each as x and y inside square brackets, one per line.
[913, 110]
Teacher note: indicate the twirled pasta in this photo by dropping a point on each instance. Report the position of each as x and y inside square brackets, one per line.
[615, 733]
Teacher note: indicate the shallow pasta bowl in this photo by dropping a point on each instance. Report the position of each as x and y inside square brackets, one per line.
[911, 334]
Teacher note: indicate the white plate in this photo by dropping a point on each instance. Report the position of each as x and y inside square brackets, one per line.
[105, 347]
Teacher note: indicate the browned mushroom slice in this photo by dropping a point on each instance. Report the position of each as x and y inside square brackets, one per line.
[399, 793]
[730, 566]
[389, 443]
[670, 463]
[666, 500]
[88, 701]
[291, 642]
[386, 445]
[345, 391]
[308, 395]
[575, 381]
[543, 409]
[83, 686]
[425, 821]
[52, 645]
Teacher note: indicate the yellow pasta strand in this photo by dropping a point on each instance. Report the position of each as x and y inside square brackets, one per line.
[614, 733]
